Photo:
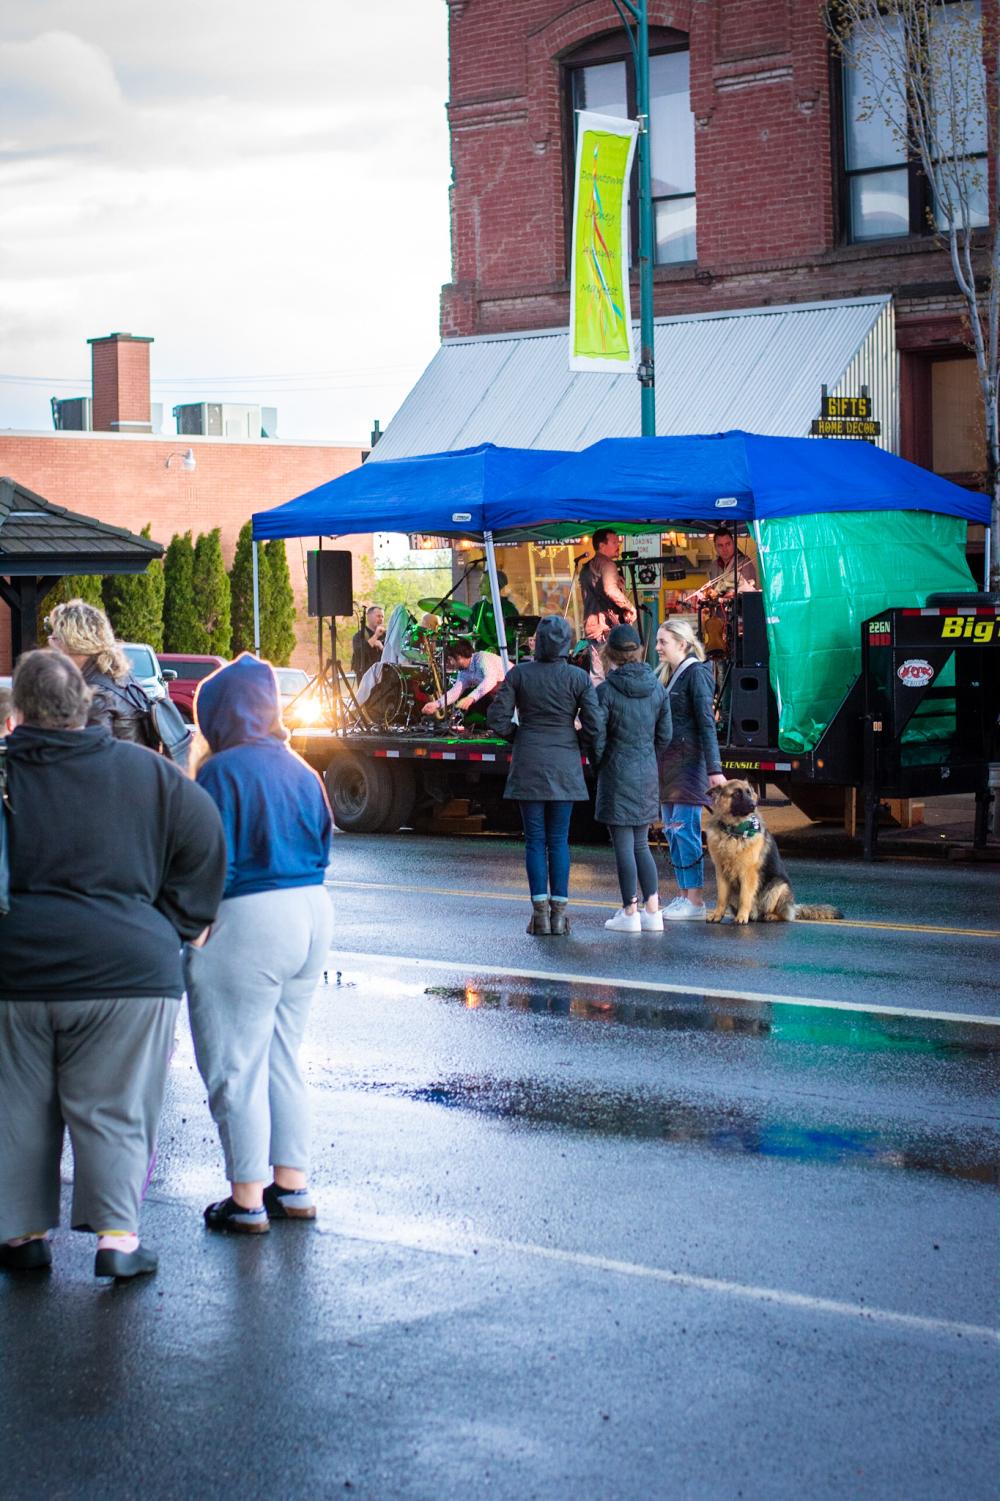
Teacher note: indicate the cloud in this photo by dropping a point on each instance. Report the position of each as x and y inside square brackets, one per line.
[60, 96]
[260, 189]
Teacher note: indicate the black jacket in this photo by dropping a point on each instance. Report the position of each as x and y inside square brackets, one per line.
[119, 704]
[693, 755]
[549, 695]
[115, 859]
[636, 716]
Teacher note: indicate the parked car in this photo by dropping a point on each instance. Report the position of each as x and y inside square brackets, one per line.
[188, 671]
[146, 668]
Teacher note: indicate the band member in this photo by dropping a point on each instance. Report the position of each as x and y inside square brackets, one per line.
[368, 641]
[483, 622]
[605, 603]
[720, 573]
[478, 675]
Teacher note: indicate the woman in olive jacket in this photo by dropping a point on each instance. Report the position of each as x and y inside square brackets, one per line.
[636, 715]
[82, 632]
[690, 766]
[546, 773]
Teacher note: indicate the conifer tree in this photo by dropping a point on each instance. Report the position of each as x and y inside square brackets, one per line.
[134, 602]
[211, 595]
[86, 586]
[180, 625]
[241, 592]
[277, 625]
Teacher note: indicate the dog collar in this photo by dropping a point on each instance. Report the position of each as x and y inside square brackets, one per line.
[745, 830]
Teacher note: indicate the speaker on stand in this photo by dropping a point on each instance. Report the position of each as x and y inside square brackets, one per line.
[329, 593]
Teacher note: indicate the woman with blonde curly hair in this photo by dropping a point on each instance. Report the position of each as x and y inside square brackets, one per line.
[83, 633]
[691, 763]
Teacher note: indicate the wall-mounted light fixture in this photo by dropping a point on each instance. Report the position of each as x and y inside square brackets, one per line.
[188, 460]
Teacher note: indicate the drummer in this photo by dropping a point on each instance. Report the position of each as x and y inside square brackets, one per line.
[478, 674]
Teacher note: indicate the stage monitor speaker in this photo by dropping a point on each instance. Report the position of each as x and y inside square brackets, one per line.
[752, 701]
[752, 639]
[330, 585]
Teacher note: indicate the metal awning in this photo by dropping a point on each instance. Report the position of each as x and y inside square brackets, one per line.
[760, 369]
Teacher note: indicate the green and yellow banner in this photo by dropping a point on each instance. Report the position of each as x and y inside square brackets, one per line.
[600, 312]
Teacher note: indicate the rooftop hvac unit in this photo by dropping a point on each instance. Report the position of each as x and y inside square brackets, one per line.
[74, 415]
[223, 419]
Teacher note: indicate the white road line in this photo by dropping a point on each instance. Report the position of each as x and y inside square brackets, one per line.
[663, 987]
[443, 1241]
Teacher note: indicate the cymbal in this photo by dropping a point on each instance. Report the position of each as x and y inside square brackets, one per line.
[452, 607]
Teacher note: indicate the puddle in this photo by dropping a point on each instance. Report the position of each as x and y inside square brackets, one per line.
[695, 1013]
[726, 1128]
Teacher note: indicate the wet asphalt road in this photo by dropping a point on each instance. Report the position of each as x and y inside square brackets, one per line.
[579, 1240]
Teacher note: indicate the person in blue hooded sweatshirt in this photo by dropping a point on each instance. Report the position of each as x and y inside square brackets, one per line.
[251, 984]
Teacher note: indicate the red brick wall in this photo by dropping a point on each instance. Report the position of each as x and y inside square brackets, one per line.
[124, 481]
[764, 138]
[120, 382]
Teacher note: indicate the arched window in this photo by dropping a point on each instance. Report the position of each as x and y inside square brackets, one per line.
[600, 77]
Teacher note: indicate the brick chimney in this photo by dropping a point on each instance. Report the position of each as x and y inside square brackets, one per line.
[120, 383]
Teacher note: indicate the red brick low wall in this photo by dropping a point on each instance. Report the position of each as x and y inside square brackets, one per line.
[124, 480]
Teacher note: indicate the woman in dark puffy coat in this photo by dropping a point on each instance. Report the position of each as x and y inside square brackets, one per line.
[83, 633]
[546, 772]
[636, 717]
[691, 764]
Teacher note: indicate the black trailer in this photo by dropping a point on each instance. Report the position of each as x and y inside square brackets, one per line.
[946, 655]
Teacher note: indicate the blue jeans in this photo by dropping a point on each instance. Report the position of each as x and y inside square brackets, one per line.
[682, 824]
[546, 847]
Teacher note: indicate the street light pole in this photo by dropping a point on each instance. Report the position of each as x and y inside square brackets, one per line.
[639, 41]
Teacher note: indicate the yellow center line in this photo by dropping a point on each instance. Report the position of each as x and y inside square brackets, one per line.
[583, 901]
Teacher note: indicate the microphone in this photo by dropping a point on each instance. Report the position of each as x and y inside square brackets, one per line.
[579, 559]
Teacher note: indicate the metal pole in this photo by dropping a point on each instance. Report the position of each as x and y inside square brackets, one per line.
[491, 564]
[256, 597]
[639, 41]
[646, 371]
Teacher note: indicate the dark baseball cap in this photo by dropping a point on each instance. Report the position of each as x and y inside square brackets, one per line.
[623, 636]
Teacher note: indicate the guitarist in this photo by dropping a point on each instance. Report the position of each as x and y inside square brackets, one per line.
[605, 603]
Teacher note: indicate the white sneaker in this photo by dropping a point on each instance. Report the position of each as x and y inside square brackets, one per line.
[624, 922]
[681, 910]
[651, 922]
[670, 905]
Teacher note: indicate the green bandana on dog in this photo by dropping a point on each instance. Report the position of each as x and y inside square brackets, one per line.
[745, 830]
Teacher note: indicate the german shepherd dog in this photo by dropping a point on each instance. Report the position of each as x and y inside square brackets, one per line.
[748, 871]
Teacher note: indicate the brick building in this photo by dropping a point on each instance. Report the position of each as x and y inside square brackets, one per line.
[125, 475]
[769, 194]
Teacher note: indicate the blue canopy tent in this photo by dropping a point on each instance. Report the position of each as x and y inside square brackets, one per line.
[445, 494]
[638, 483]
[733, 476]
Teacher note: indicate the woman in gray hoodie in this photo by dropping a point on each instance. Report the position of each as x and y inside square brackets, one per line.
[550, 698]
[636, 713]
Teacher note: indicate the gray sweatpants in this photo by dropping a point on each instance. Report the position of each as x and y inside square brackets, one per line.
[249, 993]
[98, 1068]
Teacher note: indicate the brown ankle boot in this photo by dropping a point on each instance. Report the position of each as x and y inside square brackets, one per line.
[539, 922]
[558, 921]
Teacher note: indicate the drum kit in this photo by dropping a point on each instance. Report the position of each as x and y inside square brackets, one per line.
[404, 688]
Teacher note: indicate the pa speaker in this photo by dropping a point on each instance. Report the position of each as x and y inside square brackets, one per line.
[330, 585]
[752, 638]
[751, 706]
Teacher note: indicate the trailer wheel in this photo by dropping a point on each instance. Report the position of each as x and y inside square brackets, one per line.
[360, 792]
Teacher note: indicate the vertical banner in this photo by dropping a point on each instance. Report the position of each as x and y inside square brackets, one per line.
[600, 311]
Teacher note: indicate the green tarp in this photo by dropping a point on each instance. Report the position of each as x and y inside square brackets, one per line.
[822, 576]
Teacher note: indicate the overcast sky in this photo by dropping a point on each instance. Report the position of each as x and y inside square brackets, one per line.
[260, 187]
